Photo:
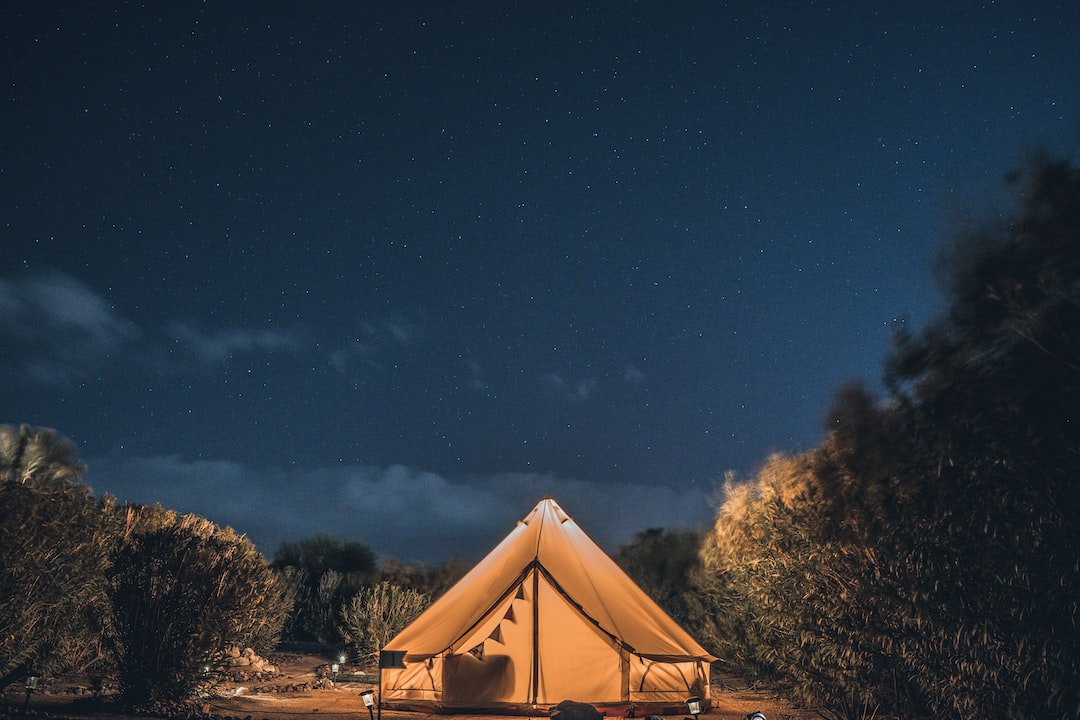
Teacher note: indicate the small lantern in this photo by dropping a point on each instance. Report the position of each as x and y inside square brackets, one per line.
[368, 696]
[694, 705]
[32, 677]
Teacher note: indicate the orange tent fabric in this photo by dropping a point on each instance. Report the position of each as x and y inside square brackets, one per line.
[546, 616]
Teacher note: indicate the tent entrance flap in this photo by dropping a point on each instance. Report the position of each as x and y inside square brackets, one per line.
[576, 659]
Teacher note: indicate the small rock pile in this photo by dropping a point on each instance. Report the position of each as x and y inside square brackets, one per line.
[246, 665]
[300, 687]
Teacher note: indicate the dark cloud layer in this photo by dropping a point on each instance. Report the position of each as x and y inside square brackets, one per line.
[400, 512]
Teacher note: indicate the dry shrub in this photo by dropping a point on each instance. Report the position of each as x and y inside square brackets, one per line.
[183, 591]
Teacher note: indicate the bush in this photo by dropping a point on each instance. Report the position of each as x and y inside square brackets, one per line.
[54, 548]
[183, 591]
[376, 614]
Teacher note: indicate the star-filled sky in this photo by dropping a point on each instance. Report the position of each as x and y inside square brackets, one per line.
[394, 271]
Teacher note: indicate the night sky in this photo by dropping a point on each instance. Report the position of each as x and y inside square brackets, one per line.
[394, 271]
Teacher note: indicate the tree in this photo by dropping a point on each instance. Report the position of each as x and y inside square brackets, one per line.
[321, 572]
[922, 559]
[429, 579]
[665, 564]
[372, 617]
[991, 393]
[38, 456]
[322, 552]
[183, 592]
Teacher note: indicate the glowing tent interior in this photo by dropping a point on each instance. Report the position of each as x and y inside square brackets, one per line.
[546, 616]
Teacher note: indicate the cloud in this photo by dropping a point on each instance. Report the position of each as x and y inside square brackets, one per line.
[576, 391]
[402, 331]
[55, 330]
[477, 381]
[373, 343]
[400, 512]
[220, 346]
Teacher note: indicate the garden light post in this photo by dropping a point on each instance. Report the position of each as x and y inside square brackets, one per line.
[694, 705]
[338, 666]
[31, 685]
[368, 696]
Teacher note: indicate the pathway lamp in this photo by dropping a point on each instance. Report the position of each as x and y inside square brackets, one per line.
[32, 677]
[368, 696]
[694, 705]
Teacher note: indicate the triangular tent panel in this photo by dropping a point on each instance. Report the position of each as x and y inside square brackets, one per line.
[545, 617]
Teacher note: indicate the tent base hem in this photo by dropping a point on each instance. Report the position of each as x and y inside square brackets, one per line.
[627, 710]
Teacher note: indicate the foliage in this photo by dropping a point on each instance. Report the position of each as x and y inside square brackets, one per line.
[322, 552]
[321, 573]
[920, 561]
[37, 456]
[993, 391]
[54, 546]
[665, 563]
[429, 579]
[818, 610]
[183, 591]
[372, 617]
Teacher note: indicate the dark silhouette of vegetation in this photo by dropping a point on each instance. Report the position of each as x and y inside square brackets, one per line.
[993, 389]
[183, 592]
[322, 573]
[666, 564]
[322, 552]
[325, 575]
[921, 561]
[425, 578]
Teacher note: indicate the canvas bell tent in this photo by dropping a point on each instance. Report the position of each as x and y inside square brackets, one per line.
[545, 617]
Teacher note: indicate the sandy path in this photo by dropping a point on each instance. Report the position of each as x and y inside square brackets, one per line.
[276, 700]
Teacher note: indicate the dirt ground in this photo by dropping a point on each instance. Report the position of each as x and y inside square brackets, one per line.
[299, 691]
